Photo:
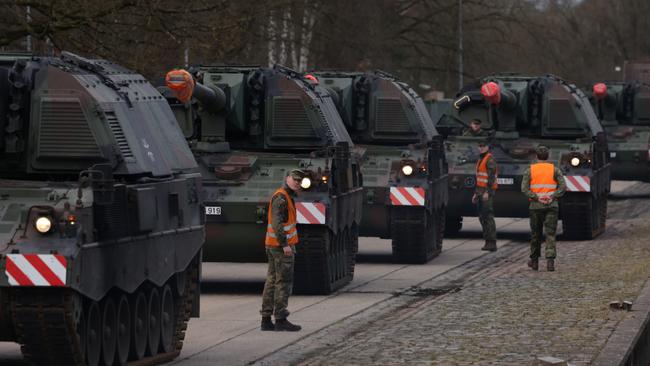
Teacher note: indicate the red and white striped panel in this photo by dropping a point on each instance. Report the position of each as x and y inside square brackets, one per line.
[577, 183]
[36, 269]
[310, 213]
[407, 196]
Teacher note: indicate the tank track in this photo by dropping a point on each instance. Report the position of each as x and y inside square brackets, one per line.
[583, 217]
[353, 238]
[415, 232]
[453, 224]
[45, 322]
[324, 261]
[45, 325]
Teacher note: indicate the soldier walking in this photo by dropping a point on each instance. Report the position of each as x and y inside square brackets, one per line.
[486, 186]
[543, 184]
[281, 238]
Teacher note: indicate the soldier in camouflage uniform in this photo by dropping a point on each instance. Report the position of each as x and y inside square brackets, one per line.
[543, 184]
[474, 129]
[486, 186]
[281, 238]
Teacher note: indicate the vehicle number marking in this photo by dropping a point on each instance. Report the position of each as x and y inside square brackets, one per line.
[612, 154]
[506, 181]
[213, 210]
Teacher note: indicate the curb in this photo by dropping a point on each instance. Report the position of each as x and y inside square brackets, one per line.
[621, 347]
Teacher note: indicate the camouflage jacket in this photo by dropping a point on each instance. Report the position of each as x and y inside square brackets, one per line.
[470, 132]
[492, 175]
[280, 214]
[534, 203]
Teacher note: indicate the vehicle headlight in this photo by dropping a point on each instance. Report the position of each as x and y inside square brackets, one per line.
[407, 169]
[305, 183]
[43, 224]
[575, 161]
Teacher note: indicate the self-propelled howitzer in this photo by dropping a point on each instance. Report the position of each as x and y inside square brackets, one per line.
[520, 113]
[250, 126]
[100, 215]
[404, 168]
[624, 111]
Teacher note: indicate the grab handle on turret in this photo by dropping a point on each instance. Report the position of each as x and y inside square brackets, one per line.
[185, 88]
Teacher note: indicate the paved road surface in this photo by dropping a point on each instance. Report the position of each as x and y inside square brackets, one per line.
[227, 332]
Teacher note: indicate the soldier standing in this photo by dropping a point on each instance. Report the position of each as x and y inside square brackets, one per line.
[543, 184]
[486, 186]
[281, 238]
[474, 129]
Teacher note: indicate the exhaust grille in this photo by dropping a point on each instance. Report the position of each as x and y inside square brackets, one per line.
[290, 119]
[390, 117]
[64, 131]
[119, 136]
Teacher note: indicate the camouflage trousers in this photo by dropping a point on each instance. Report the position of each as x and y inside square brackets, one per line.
[279, 283]
[486, 217]
[543, 220]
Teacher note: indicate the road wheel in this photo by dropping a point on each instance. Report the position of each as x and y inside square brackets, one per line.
[153, 316]
[139, 325]
[82, 326]
[109, 333]
[123, 330]
[167, 320]
[93, 334]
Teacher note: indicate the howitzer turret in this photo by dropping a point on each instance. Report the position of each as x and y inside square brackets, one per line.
[624, 110]
[521, 112]
[275, 121]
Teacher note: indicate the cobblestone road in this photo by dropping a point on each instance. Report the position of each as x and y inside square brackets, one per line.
[503, 315]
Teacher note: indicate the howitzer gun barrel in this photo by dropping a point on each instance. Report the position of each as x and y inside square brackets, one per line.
[185, 88]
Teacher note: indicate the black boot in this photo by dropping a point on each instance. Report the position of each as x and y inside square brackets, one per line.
[533, 264]
[267, 324]
[490, 245]
[550, 264]
[283, 325]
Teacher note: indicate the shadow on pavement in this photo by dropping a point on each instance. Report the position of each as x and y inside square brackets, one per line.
[523, 236]
[231, 287]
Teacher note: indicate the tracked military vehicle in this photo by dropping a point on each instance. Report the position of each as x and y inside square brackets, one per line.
[100, 217]
[624, 111]
[403, 164]
[248, 127]
[521, 112]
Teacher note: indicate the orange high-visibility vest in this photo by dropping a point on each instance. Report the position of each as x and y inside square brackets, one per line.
[290, 229]
[542, 180]
[482, 173]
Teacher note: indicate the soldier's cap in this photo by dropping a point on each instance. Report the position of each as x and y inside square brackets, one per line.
[541, 149]
[483, 143]
[476, 120]
[297, 174]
